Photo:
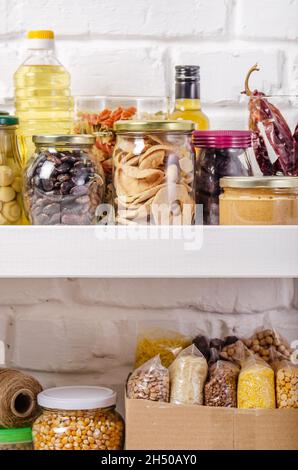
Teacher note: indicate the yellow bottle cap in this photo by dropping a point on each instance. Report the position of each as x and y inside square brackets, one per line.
[40, 34]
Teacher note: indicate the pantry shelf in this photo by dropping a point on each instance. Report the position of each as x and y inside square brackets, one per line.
[119, 252]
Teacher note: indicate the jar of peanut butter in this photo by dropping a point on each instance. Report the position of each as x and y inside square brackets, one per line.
[262, 200]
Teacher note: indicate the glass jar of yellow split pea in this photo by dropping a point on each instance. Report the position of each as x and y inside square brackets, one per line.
[78, 418]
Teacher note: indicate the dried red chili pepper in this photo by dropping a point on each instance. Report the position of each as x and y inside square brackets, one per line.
[277, 132]
[296, 146]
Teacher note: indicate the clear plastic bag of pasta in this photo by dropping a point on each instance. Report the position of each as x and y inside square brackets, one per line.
[188, 374]
[256, 387]
[159, 341]
[286, 380]
[149, 382]
[221, 387]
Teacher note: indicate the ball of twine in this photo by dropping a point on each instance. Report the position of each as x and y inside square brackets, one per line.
[18, 403]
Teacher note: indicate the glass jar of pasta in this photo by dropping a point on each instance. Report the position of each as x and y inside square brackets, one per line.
[96, 115]
[154, 173]
[78, 418]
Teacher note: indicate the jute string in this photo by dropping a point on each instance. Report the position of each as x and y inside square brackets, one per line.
[18, 404]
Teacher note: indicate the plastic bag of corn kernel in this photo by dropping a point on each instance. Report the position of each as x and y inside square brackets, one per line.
[265, 339]
[221, 387]
[158, 341]
[187, 377]
[256, 387]
[286, 380]
[149, 382]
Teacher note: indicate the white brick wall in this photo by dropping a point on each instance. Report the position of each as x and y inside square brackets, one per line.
[68, 331]
[131, 47]
[85, 330]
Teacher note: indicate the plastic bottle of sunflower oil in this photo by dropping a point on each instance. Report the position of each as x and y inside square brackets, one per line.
[43, 100]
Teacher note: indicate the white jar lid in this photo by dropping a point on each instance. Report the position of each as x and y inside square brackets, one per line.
[77, 398]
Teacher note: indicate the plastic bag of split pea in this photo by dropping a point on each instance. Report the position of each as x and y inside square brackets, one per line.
[256, 386]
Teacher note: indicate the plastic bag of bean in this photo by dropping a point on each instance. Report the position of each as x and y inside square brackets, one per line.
[256, 387]
[159, 341]
[265, 339]
[187, 376]
[205, 345]
[221, 387]
[286, 380]
[150, 382]
[234, 349]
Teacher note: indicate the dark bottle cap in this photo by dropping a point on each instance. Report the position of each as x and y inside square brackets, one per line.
[187, 82]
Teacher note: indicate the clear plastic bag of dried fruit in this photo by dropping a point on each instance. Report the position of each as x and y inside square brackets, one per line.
[221, 387]
[256, 387]
[286, 380]
[266, 338]
[187, 376]
[159, 341]
[149, 382]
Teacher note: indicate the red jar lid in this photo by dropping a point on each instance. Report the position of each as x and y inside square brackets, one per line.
[222, 139]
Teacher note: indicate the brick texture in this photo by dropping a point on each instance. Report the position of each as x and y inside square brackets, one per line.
[83, 331]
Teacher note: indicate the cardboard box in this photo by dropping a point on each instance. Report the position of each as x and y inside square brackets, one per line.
[164, 426]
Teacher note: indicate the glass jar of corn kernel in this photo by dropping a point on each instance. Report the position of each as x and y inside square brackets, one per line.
[78, 418]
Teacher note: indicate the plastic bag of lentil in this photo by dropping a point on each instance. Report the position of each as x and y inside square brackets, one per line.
[256, 387]
[286, 380]
[187, 376]
[221, 387]
[149, 382]
[159, 341]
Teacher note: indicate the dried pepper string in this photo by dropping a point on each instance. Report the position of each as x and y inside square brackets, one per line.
[277, 132]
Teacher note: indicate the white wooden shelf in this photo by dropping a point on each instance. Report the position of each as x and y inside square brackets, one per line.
[192, 252]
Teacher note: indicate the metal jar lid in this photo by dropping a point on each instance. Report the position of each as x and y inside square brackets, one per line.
[74, 139]
[222, 139]
[154, 126]
[250, 182]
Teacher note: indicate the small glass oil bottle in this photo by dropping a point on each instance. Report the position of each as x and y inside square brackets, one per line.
[187, 96]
